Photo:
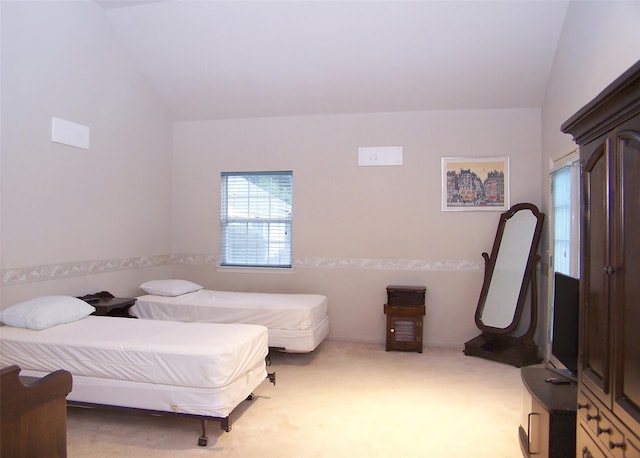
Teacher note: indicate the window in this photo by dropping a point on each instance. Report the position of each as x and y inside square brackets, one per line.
[564, 232]
[255, 219]
[564, 215]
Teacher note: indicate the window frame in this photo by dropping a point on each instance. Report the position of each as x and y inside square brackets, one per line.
[260, 225]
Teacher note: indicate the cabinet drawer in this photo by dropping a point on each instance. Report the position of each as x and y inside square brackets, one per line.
[633, 448]
[588, 412]
[404, 311]
[586, 447]
[610, 437]
[604, 429]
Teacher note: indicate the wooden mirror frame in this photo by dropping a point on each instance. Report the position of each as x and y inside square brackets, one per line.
[490, 265]
[496, 342]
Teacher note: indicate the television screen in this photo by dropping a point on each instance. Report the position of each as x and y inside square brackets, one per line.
[564, 343]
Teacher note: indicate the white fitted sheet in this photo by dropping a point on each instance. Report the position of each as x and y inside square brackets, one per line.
[275, 311]
[296, 322]
[197, 355]
[214, 402]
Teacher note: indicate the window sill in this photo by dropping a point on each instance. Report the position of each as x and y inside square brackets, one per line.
[256, 270]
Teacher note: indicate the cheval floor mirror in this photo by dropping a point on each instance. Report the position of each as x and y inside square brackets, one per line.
[509, 277]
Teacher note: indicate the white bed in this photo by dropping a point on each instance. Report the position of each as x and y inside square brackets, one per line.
[200, 369]
[297, 323]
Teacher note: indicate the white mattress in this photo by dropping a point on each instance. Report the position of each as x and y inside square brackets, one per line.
[296, 322]
[197, 355]
[213, 402]
[275, 311]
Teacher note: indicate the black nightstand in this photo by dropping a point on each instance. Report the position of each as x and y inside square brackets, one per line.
[107, 305]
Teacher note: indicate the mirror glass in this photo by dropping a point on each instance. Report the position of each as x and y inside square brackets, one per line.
[500, 306]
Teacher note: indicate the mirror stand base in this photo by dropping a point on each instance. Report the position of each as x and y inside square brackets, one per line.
[517, 351]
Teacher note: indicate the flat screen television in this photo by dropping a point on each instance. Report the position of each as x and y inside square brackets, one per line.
[563, 359]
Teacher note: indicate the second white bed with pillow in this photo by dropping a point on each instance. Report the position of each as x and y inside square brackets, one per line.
[296, 322]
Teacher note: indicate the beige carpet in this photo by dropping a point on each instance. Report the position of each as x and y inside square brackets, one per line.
[343, 400]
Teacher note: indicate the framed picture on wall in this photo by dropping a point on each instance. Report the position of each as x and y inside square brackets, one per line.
[475, 183]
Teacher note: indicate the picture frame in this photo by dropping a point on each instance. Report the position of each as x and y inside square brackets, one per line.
[475, 183]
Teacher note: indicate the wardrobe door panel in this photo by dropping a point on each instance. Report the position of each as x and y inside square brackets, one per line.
[595, 309]
[626, 286]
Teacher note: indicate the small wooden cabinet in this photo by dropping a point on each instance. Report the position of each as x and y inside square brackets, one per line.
[405, 311]
[548, 428]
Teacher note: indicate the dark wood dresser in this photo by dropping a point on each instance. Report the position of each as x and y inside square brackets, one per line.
[608, 132]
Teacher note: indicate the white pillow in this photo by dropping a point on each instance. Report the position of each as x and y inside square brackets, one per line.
[46, 311]
[169, 287]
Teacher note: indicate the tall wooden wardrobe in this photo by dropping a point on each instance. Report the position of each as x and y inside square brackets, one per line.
[608, 132]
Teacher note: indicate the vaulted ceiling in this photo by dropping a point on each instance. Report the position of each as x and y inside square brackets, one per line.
[213, 59]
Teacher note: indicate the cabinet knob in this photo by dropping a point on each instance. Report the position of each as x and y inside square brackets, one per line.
[600, 430]
[608, 270]
[586, 453]
[595, 417]
[392, 330]
[613, 445]
[583, 406]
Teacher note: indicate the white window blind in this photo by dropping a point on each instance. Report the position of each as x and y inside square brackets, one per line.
[255, 219]
[564, 201]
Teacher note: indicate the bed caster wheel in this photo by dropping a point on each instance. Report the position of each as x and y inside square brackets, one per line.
[272, 377]
[250, 397]
[202, 441]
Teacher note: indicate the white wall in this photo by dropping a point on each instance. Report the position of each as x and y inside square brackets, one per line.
[385, 223]
[599, 41]
[63, 206]
[76, 221]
